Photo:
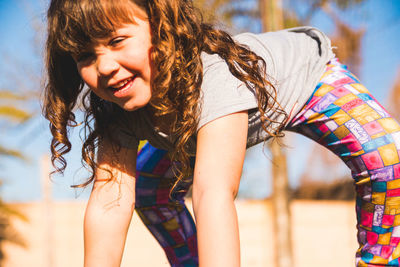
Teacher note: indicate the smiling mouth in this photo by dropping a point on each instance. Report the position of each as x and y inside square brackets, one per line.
[122, 88]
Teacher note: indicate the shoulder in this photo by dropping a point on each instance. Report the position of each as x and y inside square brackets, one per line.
[279, 45]
[221, 92]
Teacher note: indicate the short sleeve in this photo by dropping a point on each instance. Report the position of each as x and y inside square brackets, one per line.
[295, 61]
[221, 92]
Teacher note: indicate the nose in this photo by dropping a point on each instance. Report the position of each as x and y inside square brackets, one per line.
[106, 65]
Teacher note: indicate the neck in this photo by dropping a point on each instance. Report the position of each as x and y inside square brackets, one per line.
[161, 122]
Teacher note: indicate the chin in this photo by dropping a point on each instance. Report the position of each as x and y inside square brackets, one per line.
[132, 107]
[129, 108]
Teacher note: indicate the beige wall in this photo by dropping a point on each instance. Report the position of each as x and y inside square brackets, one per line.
[323, 235]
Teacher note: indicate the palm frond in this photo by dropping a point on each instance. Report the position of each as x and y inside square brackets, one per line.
[11, 153]
[14, 113]
[6, 210]
[9, 95]
[11, 235]
[7, 231]
[344, 4]
[233, 12]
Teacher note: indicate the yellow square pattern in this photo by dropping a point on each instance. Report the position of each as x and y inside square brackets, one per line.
[396, 221]
[326, 73]
[345, 99]
[389, 154]
[359, 87]
[171, 225]
[393, 184]
[362, 264]
[340, 117]
[379, 260]
[396, 253]
[392, 205]
[358, 153]
[368, 114]
[378, 135]
[378, 198]
[314, 117]
[384, 239]
[341, 132]
[324, 89]
[386, 226]
[390, 125]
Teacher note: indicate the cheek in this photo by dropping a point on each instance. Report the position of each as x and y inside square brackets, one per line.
[138, 59]
[89, 77]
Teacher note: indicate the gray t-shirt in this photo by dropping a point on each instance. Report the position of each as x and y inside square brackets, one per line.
[295, 58]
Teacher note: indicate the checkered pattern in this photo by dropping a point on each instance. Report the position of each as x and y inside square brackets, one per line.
[167, 218]
[340, 115]
[343, 116]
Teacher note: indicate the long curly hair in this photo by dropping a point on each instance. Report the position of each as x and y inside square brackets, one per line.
[179, 36]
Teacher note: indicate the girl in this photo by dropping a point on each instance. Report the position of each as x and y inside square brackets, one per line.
[154, 71]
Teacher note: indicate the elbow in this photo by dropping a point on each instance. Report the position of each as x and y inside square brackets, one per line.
[115, 210]
[224, 191]
[212, 196]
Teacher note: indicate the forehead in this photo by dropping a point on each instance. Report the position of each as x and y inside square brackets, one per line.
[79, 24]
[122, 11]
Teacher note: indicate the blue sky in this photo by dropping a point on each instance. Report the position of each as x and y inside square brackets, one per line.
[380, 58]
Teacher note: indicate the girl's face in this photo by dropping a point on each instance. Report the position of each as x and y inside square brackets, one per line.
[118, 68]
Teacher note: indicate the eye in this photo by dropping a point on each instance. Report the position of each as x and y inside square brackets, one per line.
[116, 41]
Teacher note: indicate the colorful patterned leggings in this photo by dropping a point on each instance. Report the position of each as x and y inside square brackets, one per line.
[342, 116]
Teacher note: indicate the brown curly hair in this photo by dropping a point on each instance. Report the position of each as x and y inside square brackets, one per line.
[179, 36]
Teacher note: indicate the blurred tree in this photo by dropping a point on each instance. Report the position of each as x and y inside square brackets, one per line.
[339, 189]
[312, 6]
[394, 97]
[348, 41]
[272, 19]
[18, 105]
[10, 112]
[345, 37]
[7, 231]
[227, 12]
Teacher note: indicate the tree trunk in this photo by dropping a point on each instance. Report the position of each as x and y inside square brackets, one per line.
[281, 207]
[272, 20]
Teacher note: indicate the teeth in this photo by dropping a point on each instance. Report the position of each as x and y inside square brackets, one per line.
[121, 84]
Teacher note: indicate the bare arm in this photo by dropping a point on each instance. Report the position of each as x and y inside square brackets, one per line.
[221, 147]
[110, 208]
